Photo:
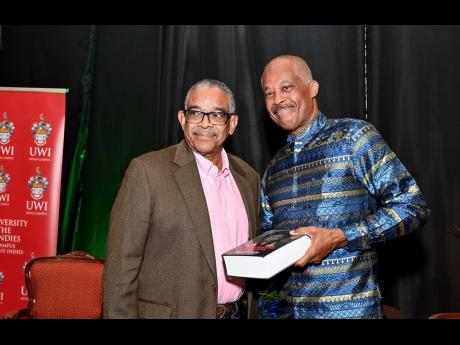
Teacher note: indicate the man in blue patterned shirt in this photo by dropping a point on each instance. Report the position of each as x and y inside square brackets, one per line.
[339, 182]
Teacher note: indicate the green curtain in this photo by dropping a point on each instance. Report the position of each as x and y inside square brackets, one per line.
[72, 201]
[122, 125]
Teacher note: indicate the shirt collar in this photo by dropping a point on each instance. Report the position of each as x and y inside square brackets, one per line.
[309, 131]
[206, 167]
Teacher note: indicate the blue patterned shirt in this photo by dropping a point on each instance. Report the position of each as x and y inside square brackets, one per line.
[339, 173]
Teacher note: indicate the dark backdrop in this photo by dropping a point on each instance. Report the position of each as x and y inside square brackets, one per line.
[414, 101]
[140, 75]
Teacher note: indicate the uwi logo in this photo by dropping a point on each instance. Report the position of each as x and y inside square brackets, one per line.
[6, 130]
[4, 179]
[38, 184]
[41, 131]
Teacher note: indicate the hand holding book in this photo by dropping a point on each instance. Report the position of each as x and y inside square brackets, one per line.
[324, 241]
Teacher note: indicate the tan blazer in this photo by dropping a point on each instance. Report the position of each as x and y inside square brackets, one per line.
[160, 257]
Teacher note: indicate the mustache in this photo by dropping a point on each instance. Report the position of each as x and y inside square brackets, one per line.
[198, 131]
[281, 105]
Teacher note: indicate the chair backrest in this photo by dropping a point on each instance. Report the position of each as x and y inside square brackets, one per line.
[65, 286]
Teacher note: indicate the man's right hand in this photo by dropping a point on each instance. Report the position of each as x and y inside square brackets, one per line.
[323, 242]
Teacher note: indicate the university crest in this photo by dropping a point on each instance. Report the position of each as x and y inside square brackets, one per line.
[38, 184]
[6, 130]
[41, 131]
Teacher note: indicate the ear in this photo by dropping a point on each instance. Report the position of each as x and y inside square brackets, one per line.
[233, 123]
[314, 88]
[181, 118]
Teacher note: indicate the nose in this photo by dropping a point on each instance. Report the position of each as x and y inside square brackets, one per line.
[205, 122]
[278, 98]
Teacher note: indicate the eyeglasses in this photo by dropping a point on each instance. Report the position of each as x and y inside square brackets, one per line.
[215, 117]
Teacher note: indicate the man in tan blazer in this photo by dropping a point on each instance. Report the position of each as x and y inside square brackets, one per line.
[165, 240]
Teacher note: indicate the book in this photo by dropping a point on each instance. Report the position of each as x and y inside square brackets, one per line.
[266, 255]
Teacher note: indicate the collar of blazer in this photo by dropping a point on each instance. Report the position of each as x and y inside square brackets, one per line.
[184, 156]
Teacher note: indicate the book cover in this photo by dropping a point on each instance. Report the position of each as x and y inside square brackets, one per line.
[266, 255]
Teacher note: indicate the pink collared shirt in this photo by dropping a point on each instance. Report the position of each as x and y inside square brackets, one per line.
[229, 221]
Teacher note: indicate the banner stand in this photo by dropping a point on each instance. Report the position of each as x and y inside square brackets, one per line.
[31, 147]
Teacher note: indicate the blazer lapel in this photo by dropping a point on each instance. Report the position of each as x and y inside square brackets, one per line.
[248, 199]
[189, 182]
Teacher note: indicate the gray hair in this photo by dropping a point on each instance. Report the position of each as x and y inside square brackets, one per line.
[213, 83]
[303, 67]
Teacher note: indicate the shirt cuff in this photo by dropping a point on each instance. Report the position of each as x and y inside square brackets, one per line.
[356, 235]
